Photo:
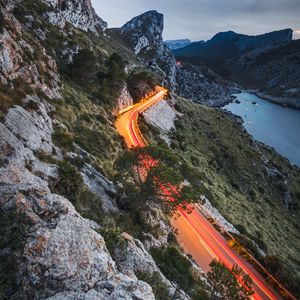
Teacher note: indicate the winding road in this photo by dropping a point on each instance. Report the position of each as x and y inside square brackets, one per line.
[196, 234]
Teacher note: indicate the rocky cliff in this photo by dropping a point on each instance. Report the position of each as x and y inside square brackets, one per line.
[48, 249]
[80, 14]
[143, 34]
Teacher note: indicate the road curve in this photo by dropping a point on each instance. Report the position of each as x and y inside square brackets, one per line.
[195, 234]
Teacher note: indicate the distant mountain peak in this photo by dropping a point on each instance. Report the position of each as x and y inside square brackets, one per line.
[177, 44]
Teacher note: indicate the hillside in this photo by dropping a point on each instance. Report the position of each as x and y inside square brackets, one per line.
[226, 45]
[70, 227]
[267, 63]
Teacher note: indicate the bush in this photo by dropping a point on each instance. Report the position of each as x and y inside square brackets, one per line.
[174, 266]
[84, 67]
[13, 234]
[140, 83]
[1, 22]
[160, 290]
[91, 140]
[113, 237]
[111, 79]
[63, 139]
[70, 183]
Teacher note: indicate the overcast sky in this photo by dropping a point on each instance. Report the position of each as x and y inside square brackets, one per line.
[201, 19]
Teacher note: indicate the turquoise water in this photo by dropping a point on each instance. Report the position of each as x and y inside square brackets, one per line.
[274, 125]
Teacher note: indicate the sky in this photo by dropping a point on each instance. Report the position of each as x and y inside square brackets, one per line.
[202, 19]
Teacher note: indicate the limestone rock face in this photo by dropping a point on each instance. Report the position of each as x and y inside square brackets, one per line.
[162, 116]
[143, 34]
[124, 100]
[145, 31]
[100, 185]
[63, 252]
[34, 128]
[13, 48]
[79, 13]
[134, 258]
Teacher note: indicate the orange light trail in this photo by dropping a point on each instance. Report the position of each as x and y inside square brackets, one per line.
[194, 226]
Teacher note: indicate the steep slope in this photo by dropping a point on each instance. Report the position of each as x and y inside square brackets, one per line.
[81, 14]
[143, 34]
[252, 186]
[274, 72]
[57, 148]
[62, 218]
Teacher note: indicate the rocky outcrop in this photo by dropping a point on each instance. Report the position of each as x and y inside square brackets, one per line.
[12, 65]
[100, 185]
[63, 252]
[143, 34]
[162, 116]
[79, 13]
[202, 85]
[34, 129]
[123, 101]
[134, 259]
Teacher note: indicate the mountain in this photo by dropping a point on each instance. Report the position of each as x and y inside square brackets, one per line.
[69, 229]
[226, 45]
[273, 72]
[143, 34]
[266, 63]
[177, 44]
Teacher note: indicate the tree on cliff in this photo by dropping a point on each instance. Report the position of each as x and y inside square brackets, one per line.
[229, 284]
[153, 174]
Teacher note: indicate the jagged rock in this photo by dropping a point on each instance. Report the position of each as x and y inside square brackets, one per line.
[34, 128]
[213, 212]
[134, 258]
[143, 34]
[11, 149]
[12, 50]
[124, 100]
[100, 185]
[160, 227]
[162, 116]
[63, 252]
[79, 13]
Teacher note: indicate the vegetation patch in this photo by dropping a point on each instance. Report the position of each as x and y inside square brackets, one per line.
[233, 172]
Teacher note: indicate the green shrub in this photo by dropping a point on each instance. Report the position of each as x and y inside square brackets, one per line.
[140, 83]
[1, 22]
[160, 290]
[174, 266]
[70, 183]
[113, 237]
[12, 238]
[92, 140]
[63, 139]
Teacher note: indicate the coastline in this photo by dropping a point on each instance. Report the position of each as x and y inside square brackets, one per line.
[284, 102]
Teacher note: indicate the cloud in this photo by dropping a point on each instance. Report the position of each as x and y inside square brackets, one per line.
[201, 19]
